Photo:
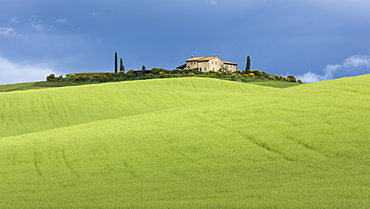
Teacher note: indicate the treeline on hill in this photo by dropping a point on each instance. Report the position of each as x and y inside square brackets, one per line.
[241, 76]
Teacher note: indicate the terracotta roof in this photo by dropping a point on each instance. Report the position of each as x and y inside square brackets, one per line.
[194, 58]
[199, 59]
[230, 63]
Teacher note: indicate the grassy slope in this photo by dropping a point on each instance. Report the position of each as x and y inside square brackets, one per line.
[234, 145]
[18, 87]
[37, 110]
[36, 85]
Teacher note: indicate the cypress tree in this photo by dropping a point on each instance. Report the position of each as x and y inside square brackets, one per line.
[248, 65]
[122, 68]
[115, 62]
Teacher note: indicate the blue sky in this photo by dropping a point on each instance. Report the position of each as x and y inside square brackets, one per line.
[312, 39]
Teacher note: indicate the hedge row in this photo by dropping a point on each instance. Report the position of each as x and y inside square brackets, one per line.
[162, 73]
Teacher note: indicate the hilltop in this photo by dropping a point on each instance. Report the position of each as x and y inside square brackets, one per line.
[187, 142]
[74, 79]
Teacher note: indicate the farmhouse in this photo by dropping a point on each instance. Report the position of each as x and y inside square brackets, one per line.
[205, 64]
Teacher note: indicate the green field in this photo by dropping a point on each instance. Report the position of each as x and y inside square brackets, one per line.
[187, 143]
[18, 87]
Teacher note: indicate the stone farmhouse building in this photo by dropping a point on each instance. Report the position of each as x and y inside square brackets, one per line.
[205, 64]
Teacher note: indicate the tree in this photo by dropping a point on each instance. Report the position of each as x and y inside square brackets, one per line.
[115, 62]
[122, 67]
[248, 65]
[50, 77]
[141, 72]
[292, 78]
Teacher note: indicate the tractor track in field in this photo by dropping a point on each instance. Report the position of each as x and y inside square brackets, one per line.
[70, 168]
[105, 102]
[129, 168]
[185, 156]
[47, 112]
[36, 160]
[56, 112]
[305, 145]
[265, 146]
[252, 139]
[176, 100]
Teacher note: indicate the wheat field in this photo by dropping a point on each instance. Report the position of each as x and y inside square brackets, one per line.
[187, 143]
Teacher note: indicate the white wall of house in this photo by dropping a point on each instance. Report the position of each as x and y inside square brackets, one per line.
[209, 64]
[213, 64]
[192, 64]
[230, 68]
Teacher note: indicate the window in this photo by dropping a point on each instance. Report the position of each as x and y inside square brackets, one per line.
[205, 69]
[200, 69]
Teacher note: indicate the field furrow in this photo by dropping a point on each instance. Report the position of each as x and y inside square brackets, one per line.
[70, 168]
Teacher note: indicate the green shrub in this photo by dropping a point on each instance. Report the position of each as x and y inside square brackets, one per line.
[292, 78]
[114, 74]
[156, 71]
[86, 77]
[278, 77]
[100, 77]
[149, 76]
[176, 71]
[131, 74]
[190, 70]
[218, 74]
[163, 75]
[256, 72]
[60, 78]
[103, 78]
[50, 77]
[79, 78]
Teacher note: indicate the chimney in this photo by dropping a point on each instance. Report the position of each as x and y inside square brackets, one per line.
[215, 55]
[192, 56]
